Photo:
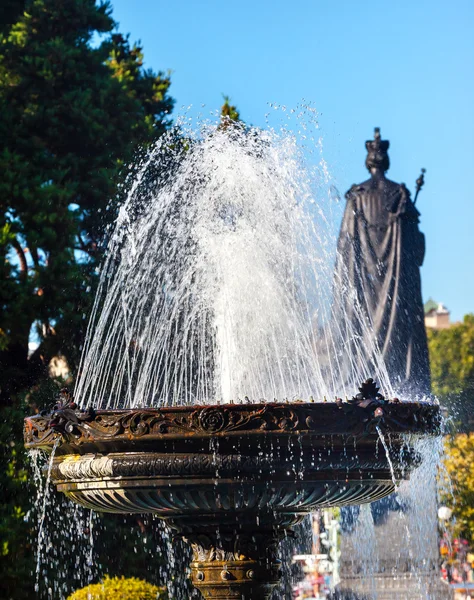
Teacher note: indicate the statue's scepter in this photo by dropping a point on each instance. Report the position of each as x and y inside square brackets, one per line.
[419, 184]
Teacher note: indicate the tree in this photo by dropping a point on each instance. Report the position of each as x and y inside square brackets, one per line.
[71, 116]
[229, 114]
[452, 369]
[76, 105]
[459, 464]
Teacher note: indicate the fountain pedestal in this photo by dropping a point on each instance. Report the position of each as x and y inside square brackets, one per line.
[233, 566]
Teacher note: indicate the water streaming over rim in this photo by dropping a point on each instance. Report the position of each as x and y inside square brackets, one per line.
[46, 492]
[218, 281]
[387, 454]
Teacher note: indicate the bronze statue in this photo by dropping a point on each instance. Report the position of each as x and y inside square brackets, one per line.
[380, 252]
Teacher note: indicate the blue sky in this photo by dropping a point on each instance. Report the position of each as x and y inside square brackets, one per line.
[405, 66]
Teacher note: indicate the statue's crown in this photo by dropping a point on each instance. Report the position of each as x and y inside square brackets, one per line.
[377, 144]
[377, 151]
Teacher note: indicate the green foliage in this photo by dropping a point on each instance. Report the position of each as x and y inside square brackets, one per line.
[16, 552]
[71, 115]
[17, 499]
[229, 114]
[452, 369]
[452, 358]
[116, 588]
[459, 464]
[76, 105]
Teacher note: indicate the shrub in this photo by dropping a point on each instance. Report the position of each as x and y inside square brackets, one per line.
[120, 588]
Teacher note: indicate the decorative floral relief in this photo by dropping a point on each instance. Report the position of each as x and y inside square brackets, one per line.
[356, 417]
[235, 547]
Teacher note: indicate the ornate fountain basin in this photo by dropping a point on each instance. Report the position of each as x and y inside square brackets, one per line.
[232, 479]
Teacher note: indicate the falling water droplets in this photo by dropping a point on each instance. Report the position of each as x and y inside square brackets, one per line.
[45, 494]
[387, 454]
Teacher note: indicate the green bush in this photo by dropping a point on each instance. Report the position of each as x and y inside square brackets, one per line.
[120, 588]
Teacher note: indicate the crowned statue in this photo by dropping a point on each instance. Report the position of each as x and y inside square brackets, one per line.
[380, 252]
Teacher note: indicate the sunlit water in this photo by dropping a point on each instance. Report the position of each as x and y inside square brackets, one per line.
[218, 281]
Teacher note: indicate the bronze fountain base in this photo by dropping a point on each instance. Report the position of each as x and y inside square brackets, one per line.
[232, 480]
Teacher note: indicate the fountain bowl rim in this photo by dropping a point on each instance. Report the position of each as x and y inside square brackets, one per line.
[76, 429]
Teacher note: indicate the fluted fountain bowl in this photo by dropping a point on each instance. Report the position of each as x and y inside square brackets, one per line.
[233, 479]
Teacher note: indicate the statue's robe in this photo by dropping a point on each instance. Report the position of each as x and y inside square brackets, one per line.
[380, 251]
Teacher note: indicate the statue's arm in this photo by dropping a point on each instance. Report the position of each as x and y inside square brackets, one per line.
[421, 248]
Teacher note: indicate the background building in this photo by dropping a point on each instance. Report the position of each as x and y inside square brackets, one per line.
[436, 315]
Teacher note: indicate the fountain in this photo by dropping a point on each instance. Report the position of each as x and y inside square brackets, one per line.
[209, 302]
[232, 479]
